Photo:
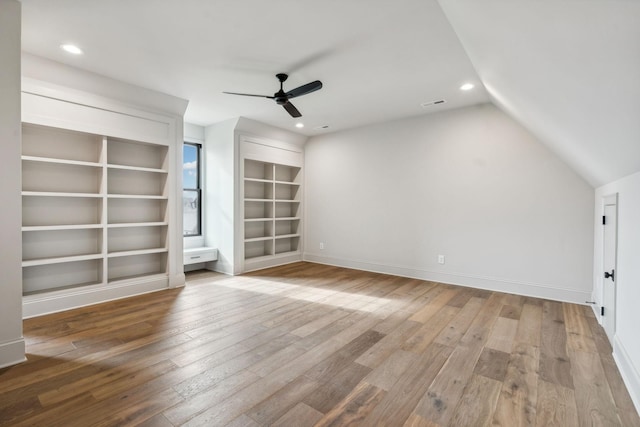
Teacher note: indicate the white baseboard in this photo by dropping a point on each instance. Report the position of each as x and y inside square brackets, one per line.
[537, 290]
[219, 266]
[66, 299]
[628, 371]
[596, 308]
[12, 353]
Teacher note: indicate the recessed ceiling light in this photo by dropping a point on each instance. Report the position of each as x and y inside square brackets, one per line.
[466, 86]
[71, 48]
[299, 125]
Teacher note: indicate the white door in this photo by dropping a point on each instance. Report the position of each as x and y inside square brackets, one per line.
[609, 266]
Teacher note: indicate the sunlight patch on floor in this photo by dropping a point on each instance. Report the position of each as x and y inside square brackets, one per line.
[348, 300]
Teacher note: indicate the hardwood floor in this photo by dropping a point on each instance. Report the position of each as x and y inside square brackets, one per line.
[307, 344]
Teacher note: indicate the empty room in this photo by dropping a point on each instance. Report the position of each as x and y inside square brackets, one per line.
[305, 213]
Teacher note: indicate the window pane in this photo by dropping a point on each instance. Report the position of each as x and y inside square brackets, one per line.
[190, 167]
[191, 195]
[191, 212]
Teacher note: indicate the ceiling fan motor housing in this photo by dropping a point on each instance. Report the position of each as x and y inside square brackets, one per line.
[280, 97]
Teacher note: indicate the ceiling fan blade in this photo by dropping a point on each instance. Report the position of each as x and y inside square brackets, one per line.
[248, 94]
[304, 89]
[292, 110]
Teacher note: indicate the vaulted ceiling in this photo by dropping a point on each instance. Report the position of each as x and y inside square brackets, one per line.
[566, 70]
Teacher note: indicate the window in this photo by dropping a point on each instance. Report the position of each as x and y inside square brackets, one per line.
[191, 190]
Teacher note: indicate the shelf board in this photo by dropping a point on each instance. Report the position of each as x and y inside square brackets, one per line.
[150, 276]
[288, 183]
[269, 181]
[136, 168]
[137, 224]
[283, 253]
[257, 219]
[286, 236]
[258, 239]
[59, 260]
[60, 194]
[50, 291]
[272, 200]
[137, 252]
[61, 227]
[269, 257]
[136, 196]
[288, 218]
[61, 161]
[259, 258]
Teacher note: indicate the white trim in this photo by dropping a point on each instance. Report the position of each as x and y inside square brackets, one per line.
[88, 117]
[629, 374]
[538, 290]
[272, 143]
[596, 307]
[55, 301]
[607, 200]
[12, 353]
[221, 265]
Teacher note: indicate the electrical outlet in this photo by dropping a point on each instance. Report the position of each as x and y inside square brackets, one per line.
[321, 245]
[440, 259]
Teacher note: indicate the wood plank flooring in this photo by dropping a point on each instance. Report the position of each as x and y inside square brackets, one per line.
[312, 345]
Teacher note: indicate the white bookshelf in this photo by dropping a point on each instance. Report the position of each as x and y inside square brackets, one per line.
[272, 199]
[95, 209]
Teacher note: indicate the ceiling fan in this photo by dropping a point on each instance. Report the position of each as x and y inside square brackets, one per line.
[282, 98]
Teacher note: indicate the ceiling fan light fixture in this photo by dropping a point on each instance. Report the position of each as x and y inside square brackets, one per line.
[71, 48]
[467, 86]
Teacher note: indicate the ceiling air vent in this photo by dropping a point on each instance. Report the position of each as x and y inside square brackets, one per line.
[432, 103]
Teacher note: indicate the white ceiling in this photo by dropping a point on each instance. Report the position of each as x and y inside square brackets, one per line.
[378, 60]
[568, 71]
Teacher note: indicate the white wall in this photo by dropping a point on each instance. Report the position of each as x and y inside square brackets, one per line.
[11, 341]
[470, 184]
[220, 192]
[626, 346]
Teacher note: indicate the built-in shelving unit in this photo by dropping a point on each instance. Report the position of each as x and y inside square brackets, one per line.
[95, 209]
[272, 198]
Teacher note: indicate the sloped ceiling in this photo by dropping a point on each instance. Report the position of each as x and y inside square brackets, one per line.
[568, 70]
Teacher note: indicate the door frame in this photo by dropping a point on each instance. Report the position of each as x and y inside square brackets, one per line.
[608, 200]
